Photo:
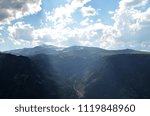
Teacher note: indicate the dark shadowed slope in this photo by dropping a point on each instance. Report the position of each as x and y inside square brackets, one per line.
[120, 76]
[20, 78]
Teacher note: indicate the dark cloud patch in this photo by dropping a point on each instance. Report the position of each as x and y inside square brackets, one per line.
[13, 9]
[3, 15]
[11, 4]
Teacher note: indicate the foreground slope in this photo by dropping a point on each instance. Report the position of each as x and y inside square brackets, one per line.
[120, 76]
[20, 78]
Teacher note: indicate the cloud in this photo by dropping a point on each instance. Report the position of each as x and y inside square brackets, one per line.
[86, 22]
[48, 36]
[125, 4]
[62, 16]
[110, 12]
[87, 35]
[88, 11]
[130, 28]
[59, 37]
[14, 9]
[61, 32]
[129, 19]
[1, 39]
[20, 33]
[132, 23]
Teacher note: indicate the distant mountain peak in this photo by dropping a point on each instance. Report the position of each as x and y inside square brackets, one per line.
[46, 46]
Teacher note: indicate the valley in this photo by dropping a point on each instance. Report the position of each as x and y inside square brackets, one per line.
[75, 73]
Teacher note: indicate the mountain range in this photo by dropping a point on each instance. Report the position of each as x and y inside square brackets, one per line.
[74, 72]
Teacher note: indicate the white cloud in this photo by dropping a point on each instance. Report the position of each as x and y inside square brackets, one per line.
[92, 34]
[21, 31]
[88, 11]
[48, 35]
[127, 17]
[14, 9]
[62, 16]
[125, 4]
[88, 35]
[21, 34]
[130, 22]
[130, 29]
[111, 12]
[86, 22]
[1, 39]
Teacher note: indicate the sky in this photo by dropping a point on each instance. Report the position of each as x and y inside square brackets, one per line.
[108, 24]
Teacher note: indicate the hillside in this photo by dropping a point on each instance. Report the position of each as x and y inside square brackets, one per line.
[20, 78]
[88, 72]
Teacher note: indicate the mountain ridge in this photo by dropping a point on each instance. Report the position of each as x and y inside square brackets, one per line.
[50, 49]
[89, 72]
